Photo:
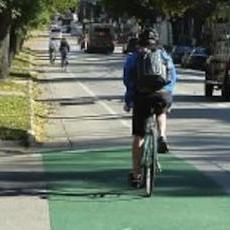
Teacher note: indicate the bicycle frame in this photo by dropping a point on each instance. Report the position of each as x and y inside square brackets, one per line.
[149, 162]
[64, 61]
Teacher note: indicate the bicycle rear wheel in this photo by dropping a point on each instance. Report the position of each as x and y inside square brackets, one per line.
[51, 57]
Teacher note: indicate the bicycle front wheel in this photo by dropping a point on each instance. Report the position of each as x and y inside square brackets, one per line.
[148, 169]
[150, 163]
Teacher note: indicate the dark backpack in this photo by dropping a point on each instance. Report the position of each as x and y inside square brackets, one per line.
[150, 72]
[64, 48]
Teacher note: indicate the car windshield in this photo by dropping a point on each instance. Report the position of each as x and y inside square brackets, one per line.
[102, 31]
[56, 30]
[182, 49]
[200, 51]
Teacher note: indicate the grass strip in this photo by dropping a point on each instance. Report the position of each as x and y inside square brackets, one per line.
[12, 86]
[23, 64]
[14, 117]
[14, 101]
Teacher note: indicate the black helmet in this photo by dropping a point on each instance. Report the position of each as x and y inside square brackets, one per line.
[147, 36]
[149, 33]
[153, 34]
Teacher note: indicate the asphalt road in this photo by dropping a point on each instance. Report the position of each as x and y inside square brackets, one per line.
[88, 102]
[76, 179]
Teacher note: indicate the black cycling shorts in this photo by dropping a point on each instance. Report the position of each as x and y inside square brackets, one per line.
[143, 104]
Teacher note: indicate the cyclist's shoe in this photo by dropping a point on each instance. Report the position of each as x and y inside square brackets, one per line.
[162, 145]
[137, 182]
[158, 168]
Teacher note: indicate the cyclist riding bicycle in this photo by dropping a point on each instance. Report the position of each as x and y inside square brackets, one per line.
[64, 50]
[141, 102]
[53, 47]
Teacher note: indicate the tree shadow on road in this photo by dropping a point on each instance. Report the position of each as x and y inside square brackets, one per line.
[185, 72]
[102, 173]
[198, 98]
[220, 114]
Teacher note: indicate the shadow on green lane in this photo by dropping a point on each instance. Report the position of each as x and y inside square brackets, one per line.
[103, 173]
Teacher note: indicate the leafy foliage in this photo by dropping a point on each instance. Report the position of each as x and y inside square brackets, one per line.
[14, 117]
[61, 5]
[27, 12]
[19, 16]
[140, 8]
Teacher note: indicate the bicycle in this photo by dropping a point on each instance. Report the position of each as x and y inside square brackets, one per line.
[150, 165]
[64, 62]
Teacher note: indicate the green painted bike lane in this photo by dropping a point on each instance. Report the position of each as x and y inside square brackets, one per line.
[89, 190]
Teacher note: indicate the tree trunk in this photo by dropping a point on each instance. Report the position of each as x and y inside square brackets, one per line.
[5, 21]
[13, 44]
[17, 36]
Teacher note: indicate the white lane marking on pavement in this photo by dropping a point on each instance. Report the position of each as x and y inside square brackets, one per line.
[220, 105]
[93, 149]
[200, 105]
[103, 104]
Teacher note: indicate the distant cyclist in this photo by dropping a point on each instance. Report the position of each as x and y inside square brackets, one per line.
[53, 48]
[64, 50]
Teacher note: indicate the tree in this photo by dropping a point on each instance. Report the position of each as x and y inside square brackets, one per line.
[17, 17]
[140, 7]
[61, 5]
[24, 14]
[5, 22]
[14, 17]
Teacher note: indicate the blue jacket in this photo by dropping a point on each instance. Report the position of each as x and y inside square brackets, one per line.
[129, 68]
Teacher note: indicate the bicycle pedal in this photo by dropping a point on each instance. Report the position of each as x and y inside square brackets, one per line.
[158, 168]
[136, 183]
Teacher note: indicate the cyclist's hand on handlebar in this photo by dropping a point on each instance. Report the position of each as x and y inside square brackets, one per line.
[126, 108]
[168, 82]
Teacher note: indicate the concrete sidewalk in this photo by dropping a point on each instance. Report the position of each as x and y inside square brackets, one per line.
[21, 187]
[23, 196]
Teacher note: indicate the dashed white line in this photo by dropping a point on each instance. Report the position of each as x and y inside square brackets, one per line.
[103, 104]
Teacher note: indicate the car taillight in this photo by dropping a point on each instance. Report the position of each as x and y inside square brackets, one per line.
[228, 64]
[228, 67]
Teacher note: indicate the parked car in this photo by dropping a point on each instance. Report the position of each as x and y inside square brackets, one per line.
[185, 58]
[217, 74]
[196, 59]
[98, 37]
[76, 29]
[65, 29]
[178, 52]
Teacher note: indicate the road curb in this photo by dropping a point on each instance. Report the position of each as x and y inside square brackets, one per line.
[8, 143]
[31, 133]
[30, 136]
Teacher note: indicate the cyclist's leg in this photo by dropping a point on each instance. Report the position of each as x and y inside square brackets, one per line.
[54, 55]
[50, 55]
[62, 59]
[164, 103]
[67, 59]
[65, 64]
[136, 154]
[162, 124]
